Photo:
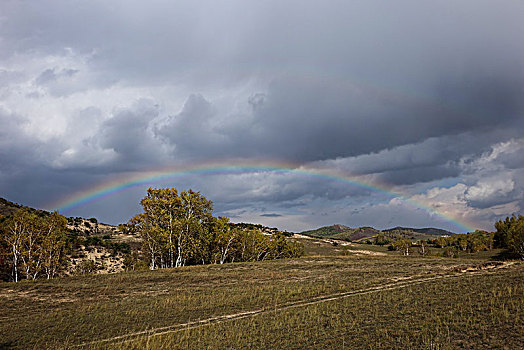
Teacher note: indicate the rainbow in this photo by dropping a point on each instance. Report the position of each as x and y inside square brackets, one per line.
[112, 187]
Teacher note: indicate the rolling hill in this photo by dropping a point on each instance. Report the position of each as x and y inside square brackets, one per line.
[427, 230]
[8, 208]
[361, 234]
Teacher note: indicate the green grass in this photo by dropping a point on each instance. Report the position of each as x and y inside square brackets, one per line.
[478, 312]
[69, 311]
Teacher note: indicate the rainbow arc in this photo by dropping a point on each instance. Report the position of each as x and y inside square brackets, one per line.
[113, 187]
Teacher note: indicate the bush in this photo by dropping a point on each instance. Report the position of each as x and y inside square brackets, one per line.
[86, 267]
[450, 252]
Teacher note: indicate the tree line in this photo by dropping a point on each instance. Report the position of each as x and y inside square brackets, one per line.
[179, 229]
[175, 230]
[509, 235]
[33, 245]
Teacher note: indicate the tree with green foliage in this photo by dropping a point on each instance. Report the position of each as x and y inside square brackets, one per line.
[15, 228]
[510, 234]
[172, 225]
[225, 237]
[380, 239]
[503, 228]
[423, 248]
[54, 244]
[195, 216]
[179, 229]
[35, 244]
[403, 245]
[86, 267]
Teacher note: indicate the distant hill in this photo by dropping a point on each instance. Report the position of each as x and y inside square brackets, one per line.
[362, 234]
[426, 230]
[8, 208]
[263, 229]
[342, 232]
[327, 231]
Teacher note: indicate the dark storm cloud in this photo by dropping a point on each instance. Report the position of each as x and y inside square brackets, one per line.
[210, 42]
[17, 149]
[314, 120]
[266, 187]
[193, 131]
[432, 159]
[271, 215]
[127, 134]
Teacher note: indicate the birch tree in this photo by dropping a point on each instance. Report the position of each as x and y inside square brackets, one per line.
[35, 243]
[53, 244]
[15, 229]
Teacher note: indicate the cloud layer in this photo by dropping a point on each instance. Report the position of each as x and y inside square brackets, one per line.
[423, 99]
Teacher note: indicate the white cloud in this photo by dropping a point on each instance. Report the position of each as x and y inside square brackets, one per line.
[486, 189]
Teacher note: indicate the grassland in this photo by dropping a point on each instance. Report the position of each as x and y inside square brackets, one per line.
[323, 301]
[475, 311]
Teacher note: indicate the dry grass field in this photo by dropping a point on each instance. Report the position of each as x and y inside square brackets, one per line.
[352, 301]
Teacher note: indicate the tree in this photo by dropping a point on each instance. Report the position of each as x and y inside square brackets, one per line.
[516, 237]
[151, 237]
[15, 229]
[441, 242]
[450, 252]
[510, 234]
[403, 245]
[54, 241]
[195, 216]
[172, 226]
[34, 243]
[423, 248]
[380, 239]
[503, 230]
[179, 229]
[225, 238]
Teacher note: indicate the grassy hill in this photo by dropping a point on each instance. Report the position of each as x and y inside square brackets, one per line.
[427, 230]
[8, 208]
[327, 231]
[363, 234]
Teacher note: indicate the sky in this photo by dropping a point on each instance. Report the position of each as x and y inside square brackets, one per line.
[422, 100]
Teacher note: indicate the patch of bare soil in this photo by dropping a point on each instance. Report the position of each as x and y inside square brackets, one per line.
[365, 252]
[105, 261]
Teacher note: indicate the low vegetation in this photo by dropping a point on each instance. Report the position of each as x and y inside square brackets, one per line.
[479, 311]
[368, 301]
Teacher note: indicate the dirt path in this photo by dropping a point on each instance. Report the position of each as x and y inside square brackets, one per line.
[286, 306]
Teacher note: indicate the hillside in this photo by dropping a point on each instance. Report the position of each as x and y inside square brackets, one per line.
[427, 230]
[96, 247]
[365, 233]
[100, 248]
[8, 208]
[327, 231]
